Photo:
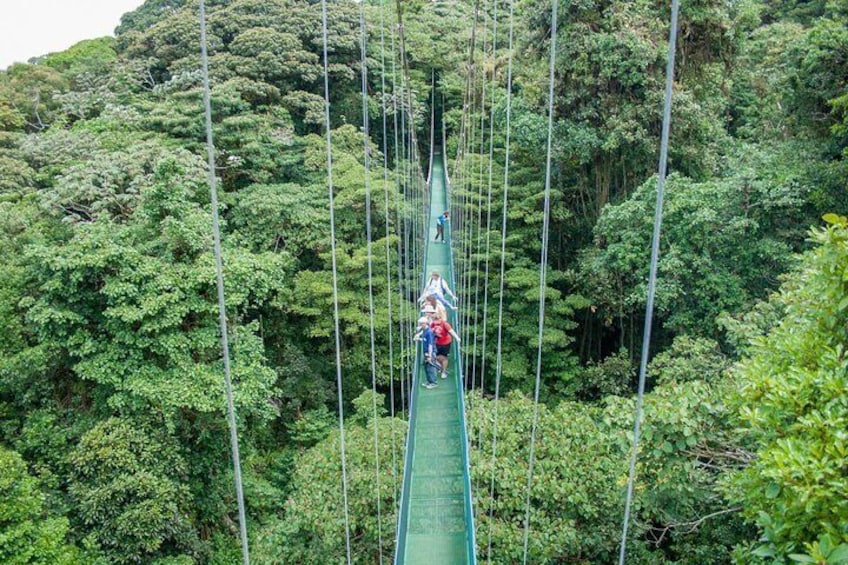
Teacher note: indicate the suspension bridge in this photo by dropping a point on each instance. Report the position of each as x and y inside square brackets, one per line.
[436, 523]
[435, 511]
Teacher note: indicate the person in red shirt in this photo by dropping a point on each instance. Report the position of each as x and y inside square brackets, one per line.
[444, 337]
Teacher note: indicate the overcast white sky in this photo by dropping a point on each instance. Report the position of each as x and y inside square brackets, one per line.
[29, 28]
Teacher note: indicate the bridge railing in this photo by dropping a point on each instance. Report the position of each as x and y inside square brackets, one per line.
[471, 548]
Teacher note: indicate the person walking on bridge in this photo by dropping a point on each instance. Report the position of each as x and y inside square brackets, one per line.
[437, 287]
[440, 225]
[444, 335]
[428, 344]
[432, 308]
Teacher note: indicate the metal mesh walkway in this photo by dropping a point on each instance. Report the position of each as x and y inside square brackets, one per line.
[436, 524]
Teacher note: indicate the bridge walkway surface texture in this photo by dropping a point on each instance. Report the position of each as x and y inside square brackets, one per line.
[436, 525]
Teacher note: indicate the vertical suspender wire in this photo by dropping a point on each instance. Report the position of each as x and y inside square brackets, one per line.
[469, 272]
[468, 109]
[389, 296]
[462, 263]
[414, 162]
[219, 281]
[432, 135]
[499, 352]
[462, 146]
[467, 168]
[366, 149]
[409, 202]
[400, 217]
[444, 139]
[469, 208]
[412, 155]
[462, 117]
[484, 328]
[474, 257]
[468, 95]
[478, 274]
[543, 267]
[429, 182]
[467, 180]
[405, 155]
[335, 278]
[652, 277]
[489, 200]
[404, 152]
[407, 239]
[473, 360]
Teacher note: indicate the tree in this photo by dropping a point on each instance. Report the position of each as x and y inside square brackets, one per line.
[575, 498]
[311, 529]
[127, 483]
[28, 536]
[792, 403]
[29, 91]
[722, 241]
[142, 273]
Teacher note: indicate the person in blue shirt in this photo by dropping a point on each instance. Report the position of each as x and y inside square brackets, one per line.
[428, 344]
[440, 225]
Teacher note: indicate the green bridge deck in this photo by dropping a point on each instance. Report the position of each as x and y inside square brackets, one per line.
[435, 520]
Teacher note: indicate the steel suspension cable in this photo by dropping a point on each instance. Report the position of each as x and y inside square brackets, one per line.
[466, 99]
[470, 259]
[407, 131]
[475, 331]
[459, 164]
[489, 199]
[432, 126]
[335, 278]
[407, 238]
[485, 272]
[652, 277]
[414, 161]
[468, 228]
[400, 217]
[389, 295]
[366, 149]
[467, 170]
[542, 275]
[499, 350]
[406, 196]
[474, 257]
[219, 282]
[472, 202]
[465, 216]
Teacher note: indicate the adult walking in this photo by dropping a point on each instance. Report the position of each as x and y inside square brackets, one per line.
[432, 308]
[444, 335]
[437, 287]
[440, 225]
[428, 345]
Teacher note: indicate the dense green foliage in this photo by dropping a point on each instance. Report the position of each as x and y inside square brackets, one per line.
[792, 402]
[28, 535]
[112, 410]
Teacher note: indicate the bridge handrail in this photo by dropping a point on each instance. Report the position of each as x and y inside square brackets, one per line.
[460, 391]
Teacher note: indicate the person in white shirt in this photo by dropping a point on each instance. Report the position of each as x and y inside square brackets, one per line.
[438, 288]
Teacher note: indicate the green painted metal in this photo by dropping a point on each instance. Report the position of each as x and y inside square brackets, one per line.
[435, 523]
